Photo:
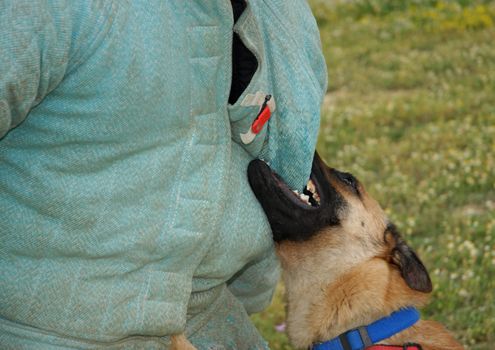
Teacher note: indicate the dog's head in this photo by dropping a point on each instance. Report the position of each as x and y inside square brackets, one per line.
[334, 222]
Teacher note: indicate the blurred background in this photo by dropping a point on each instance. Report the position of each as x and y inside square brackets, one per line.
[410, 111]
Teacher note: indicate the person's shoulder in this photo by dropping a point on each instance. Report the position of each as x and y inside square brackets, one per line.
[74, 19]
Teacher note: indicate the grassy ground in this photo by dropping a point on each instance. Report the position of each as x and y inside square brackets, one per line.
[411, 112]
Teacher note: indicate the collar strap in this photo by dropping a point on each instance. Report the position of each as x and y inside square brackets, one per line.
[362, 337]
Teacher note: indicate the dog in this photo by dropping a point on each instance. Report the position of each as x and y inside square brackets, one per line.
[180, 342]
[345, 266]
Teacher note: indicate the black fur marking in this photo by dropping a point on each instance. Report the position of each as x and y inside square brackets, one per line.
[412, 269]
[291, 219]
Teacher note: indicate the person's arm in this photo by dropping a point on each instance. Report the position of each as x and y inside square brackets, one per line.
[299, 79]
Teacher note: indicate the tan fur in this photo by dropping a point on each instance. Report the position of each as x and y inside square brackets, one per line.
[344, 277]
[180, 342]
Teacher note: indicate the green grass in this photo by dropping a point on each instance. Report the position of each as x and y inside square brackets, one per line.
[411, 112]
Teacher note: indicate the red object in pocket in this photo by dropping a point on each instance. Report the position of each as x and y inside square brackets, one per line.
[263, 116]
[261, 120]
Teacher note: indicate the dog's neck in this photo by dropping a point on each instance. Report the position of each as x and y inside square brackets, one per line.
[321, 310]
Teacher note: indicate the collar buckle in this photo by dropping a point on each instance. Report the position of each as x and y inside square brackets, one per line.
[365, 337]
[363, 333]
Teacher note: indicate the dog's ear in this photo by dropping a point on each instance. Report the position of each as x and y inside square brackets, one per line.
[412, 269]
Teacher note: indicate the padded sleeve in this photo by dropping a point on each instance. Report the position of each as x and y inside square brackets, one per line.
[299, 81]
[34, 48]
[40, 42]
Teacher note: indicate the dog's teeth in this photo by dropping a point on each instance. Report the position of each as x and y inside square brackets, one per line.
[316, 197]
[304, 198]
[311, 186]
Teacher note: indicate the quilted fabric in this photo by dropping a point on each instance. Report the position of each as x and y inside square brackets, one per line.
[125, 212]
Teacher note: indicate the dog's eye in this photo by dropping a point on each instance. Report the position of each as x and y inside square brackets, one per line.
[350, 181]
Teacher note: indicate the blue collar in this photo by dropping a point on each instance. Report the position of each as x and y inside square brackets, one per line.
[362, 337]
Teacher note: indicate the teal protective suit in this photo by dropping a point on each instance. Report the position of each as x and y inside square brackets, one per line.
[125, 212]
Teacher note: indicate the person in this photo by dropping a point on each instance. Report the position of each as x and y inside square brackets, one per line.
[126, 215]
